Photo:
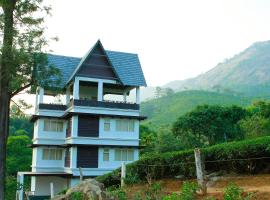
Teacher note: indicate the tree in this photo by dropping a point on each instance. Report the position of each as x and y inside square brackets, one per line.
[22, 63]
[258, 121]
[214, 123]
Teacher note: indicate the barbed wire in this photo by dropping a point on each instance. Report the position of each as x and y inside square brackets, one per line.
[207, 161]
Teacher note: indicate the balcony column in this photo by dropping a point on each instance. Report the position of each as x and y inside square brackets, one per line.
[36, 103]
[125, 97]
[137, 95]
[100, 91]
[20, 181]
[68, 95]
[40, 95]
[76, 88]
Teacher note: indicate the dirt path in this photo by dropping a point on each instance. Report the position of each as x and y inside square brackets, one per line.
[259, 185]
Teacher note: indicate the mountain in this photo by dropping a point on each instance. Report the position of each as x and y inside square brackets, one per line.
[247, 73]
[165, 110]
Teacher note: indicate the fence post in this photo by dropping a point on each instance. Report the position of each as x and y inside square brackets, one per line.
[123, 174]
[52, 190]
[81, 174]
[199, 170]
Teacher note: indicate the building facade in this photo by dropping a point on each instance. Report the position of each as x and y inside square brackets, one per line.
[88, 131]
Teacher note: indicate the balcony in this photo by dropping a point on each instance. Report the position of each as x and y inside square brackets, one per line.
[90, 103]
[105, 104]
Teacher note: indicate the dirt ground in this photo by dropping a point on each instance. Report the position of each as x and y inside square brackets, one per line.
[259, 185]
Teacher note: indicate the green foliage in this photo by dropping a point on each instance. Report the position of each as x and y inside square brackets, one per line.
[165, 110]
[211, 124]
[153, 192]
[19, 124]
[258, 121]
[233, 192]
[117, 193]
[11, 187]
[188, 191]
[76, 196]
[170, 164]
[19, 156]
[160, 141]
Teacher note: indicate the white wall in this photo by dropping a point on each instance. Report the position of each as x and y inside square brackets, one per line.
[41, 184]
[117, 134]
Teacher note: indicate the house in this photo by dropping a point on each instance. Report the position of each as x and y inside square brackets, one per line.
[87, 132]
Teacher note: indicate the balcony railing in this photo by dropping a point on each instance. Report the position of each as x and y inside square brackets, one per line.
[47, 106]
[90, 103]
[105, 104]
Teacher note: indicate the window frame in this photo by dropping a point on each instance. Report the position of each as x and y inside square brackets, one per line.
[108, 123]
[54, 154]
[124, 155]
[49, 123]
[125, 125]
[106, 152]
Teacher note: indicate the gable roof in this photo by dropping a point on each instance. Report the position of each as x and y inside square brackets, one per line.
[125, 65]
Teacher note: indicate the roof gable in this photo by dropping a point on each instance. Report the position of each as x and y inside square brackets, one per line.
[100, 63]
[97, 65]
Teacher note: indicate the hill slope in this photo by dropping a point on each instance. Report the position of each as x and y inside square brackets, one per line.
[246, 73]
[167, 109]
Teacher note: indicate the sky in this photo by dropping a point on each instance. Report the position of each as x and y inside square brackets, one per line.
[174, 39]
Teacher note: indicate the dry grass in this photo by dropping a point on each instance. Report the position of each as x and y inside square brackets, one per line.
[257, 184]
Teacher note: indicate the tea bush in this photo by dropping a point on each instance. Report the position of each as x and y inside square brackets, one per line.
[170, 164]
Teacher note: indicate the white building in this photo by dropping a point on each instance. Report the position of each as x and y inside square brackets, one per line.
[87, 132]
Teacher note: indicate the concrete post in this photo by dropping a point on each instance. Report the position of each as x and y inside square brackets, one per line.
[76, 88]
[123, 174]
[137, 95]
[20, 180]
[199, 170]
[100, 91]
[40, 95]
[125, 97]
[52, 190]
[68, 95]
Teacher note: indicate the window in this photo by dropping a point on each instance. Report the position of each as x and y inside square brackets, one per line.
[124, 155]
[106, 155]
[52, 154]
[107, 125]
[124, 125]
[53, 125]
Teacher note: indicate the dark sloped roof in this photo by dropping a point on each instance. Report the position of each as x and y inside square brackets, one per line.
[126, 65]
[65, 64]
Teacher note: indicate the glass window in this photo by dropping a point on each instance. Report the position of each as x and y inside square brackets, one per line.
[45, 154]
[107, 125]
[106, 155]
[124, 154]
[117, 155]
[124, 125]
[53, 125]
[52, 154]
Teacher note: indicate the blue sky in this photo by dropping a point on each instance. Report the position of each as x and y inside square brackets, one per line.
[175, 39]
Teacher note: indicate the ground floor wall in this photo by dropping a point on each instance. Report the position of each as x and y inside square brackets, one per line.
[41, 185]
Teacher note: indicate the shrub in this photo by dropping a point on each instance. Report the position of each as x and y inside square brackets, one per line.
[182, 162]
[117, 193]
[76, 196]
[188, 191]
[233, 192]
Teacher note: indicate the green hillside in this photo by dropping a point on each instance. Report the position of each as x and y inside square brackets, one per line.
[167, 109]
[247, 73]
